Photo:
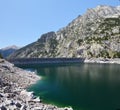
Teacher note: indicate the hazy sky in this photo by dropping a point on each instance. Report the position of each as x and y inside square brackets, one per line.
[23, 21]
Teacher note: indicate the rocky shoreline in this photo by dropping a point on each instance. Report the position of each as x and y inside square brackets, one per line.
[103, 60]
[13, 94]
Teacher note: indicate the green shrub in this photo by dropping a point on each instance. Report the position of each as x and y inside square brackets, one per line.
[89, 53]
[79, 41]
[104, 54]
[116, 54]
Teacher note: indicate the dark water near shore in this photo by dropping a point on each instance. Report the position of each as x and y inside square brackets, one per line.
[82, 86]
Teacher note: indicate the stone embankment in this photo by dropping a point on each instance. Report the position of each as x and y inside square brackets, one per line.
[13, 95]
[103, 60]
[49, 61]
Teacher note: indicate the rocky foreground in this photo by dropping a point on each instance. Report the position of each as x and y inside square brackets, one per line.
[13, 95]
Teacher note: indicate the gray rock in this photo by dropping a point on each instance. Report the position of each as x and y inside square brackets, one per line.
[1, 95]
[3, 108]
[18, 105]
[23, 107]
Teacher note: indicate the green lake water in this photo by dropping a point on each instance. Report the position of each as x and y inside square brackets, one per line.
[81, 86]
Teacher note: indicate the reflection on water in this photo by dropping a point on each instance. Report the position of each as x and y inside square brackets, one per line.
[83, 86]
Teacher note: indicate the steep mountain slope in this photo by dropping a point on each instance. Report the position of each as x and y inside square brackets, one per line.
[95, 34]
[8, 50]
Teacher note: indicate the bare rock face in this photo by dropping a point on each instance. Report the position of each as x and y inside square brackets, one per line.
[47, 37]
[94, 34]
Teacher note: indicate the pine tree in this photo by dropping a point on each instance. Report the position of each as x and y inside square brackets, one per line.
[1, 55]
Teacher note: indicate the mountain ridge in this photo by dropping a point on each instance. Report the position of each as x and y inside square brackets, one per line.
[94, 34]
[8, 50]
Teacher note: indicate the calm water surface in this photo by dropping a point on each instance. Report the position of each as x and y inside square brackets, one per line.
[82, 86]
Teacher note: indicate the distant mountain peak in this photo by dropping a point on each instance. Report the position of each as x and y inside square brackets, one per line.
[103, 6]
[10, 47]
[8, 50]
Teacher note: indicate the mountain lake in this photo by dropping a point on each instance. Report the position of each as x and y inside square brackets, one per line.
[81, 86]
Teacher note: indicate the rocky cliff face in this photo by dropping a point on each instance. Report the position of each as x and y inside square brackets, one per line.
[94, 34]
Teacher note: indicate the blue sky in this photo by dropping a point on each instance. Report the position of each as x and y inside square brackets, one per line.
[23, 21]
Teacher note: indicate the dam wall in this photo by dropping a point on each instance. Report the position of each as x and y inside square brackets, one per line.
[30, 61]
